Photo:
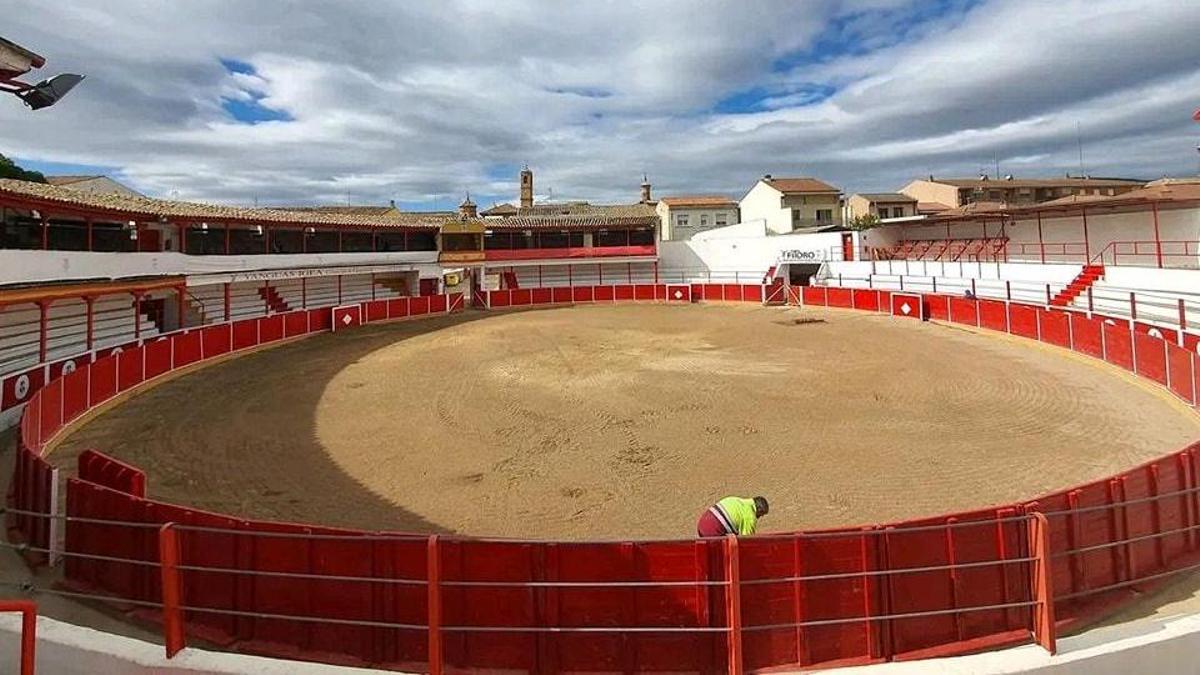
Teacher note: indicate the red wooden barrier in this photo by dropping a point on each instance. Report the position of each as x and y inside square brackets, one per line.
[216, 340]
[908, 305]
[993, 314]
[964, 311]
[1023, 321]
[1125, 507]
[604, 293]
[938, 307]
[270, 328]
[1118, 345]
[346, 316]
[28, 610]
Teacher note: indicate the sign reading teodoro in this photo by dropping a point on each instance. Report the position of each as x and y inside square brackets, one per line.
[803, 256]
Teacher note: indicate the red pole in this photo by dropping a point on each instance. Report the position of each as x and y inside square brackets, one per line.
[1043, 592]
[733, 605]
[1041, 241]
[137, 315]
[28, 610]
[1087, 242]
[43, 329]
[172, 591]
[181, 290]
[433, 565]
[1157, 240]
[91, 321]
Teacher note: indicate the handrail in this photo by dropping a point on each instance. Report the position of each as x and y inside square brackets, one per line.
[28, 610]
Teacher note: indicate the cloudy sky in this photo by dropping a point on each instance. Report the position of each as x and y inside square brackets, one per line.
[320, 102]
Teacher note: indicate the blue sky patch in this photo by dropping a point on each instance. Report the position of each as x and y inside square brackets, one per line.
[67, 168]
[250, 111]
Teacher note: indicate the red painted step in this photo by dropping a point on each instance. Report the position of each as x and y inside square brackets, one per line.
[275, 301]
[1078, 286]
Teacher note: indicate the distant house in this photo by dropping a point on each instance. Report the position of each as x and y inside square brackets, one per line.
[789, 204]
[882, 205]
[682, 217]
[955, 192]
[100, 185]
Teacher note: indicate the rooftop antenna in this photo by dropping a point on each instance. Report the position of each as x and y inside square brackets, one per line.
[996, 159]
[1079, 142]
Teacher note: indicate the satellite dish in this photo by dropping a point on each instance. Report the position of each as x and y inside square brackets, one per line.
[47, 92]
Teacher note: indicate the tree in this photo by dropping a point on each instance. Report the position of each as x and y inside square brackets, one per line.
[9, 169]
[864, 222]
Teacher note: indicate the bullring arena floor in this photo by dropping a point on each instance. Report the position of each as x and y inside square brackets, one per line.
[626, 421]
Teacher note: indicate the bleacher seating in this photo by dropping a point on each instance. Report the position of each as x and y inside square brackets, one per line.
[952, 250]
[247, 300]
[112, 324]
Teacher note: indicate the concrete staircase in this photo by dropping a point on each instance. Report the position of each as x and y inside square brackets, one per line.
[1078, 286]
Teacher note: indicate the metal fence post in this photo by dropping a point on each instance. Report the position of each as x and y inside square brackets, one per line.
[733, 606]
[1132, 306]
[1182, 321]
[172, 591]
[1044, 630]
[434, 600]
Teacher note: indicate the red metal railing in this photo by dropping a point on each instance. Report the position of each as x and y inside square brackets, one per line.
[28, 610]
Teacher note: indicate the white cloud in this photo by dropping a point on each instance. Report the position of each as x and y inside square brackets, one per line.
[424, 101]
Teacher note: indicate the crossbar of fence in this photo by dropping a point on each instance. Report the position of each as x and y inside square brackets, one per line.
[890, 572]
[892, 617]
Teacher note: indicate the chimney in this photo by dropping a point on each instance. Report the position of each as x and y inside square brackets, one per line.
[392, 203]
[983, 176]
[645, 189]
[767, 177]
[467, 209]
[1008, 176]
[526, 188]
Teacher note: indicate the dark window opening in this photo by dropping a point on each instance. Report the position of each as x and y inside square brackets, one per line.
[553, 240]
[112, 238]
[643, 237]
[287, 241]
[245, 242]
[425, 240]
[612, 238]
[322, 241]
[460, 242]
[357, 242]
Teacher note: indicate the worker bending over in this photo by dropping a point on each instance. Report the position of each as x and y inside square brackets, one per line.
[732, 515]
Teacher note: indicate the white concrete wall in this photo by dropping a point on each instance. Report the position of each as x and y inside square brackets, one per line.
[41, 266]
[65, 649]
[747, 253]
[764, 202]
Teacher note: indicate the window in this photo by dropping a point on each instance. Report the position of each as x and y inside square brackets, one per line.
[824, 215]
[703, 220]
[681, 220]
[722, 219]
